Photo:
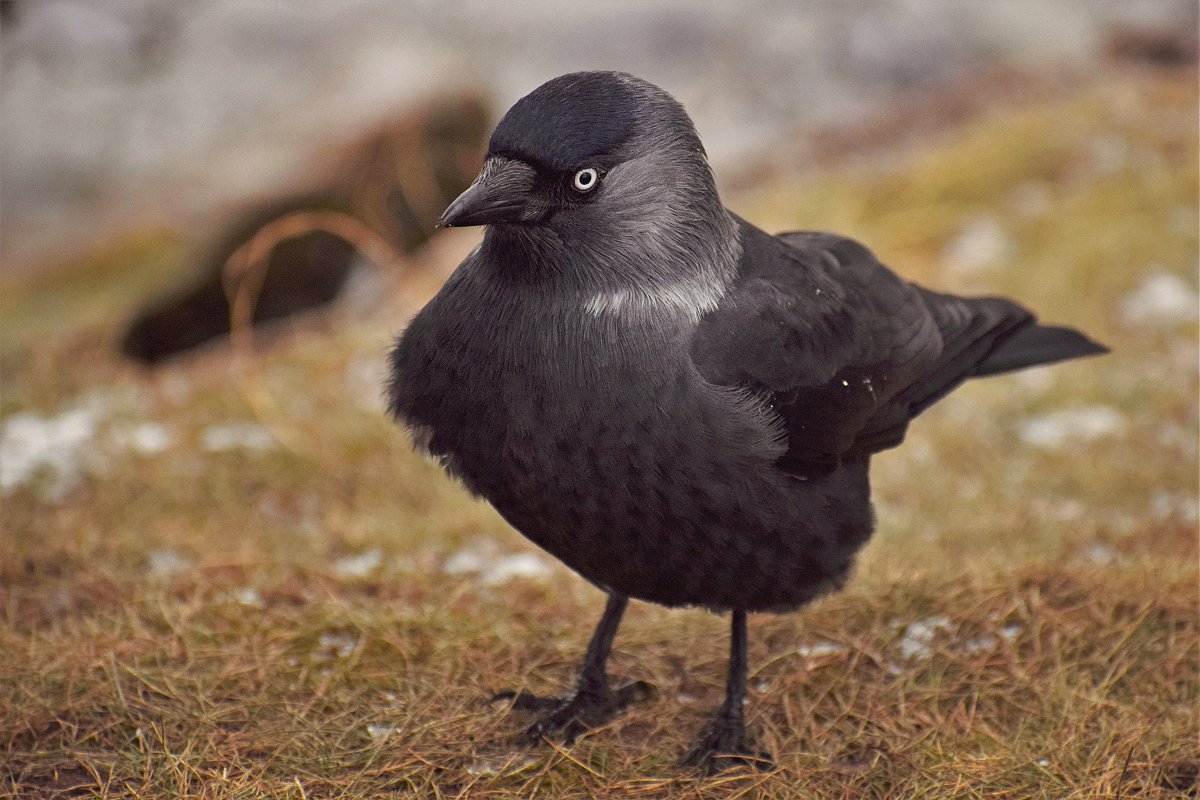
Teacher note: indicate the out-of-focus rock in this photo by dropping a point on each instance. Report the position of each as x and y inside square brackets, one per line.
[1159, 47]
[395, 181]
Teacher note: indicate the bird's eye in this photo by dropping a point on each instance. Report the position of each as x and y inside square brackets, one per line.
[586, 179]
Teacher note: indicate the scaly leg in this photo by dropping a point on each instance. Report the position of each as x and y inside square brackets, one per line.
[722, 742]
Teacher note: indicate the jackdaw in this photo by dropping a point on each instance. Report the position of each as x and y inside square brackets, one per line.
[679, 406]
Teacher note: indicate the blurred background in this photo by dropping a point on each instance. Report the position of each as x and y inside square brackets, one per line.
[134, 112]
[205, 121]
[172, 173]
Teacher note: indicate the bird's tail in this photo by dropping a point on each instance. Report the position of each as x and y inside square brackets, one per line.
[987, 336]
[1035, 345]
[982, 336]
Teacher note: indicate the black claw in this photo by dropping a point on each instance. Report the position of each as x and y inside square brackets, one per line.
[526, 701]
[631, 693]
[593, 703]
[723, 744]
[571, 716]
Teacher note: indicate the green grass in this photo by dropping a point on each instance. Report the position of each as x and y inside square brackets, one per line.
[180, 623]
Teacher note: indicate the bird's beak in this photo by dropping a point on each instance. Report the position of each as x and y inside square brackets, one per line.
[500, 194]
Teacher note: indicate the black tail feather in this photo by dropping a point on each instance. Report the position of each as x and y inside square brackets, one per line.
[972, 330]
[1035, 345]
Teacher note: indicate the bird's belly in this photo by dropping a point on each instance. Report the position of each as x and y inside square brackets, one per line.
[666, 497]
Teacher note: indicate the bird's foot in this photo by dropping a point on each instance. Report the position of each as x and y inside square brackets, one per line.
[574, 714]
[723, 744]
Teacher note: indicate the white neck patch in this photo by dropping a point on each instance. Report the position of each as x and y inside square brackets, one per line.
[692, 299]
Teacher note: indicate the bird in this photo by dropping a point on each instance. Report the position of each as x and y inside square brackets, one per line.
[679, 406]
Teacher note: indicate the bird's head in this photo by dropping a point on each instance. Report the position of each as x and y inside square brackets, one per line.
[596, 187]
[590, 156]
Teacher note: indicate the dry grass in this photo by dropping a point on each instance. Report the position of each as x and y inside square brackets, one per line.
[186, 622]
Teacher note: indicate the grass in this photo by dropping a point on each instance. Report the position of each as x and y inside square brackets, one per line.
[290, 622]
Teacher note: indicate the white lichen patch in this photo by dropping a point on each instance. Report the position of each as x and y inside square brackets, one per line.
[359, 565]
[517, 565]
[1175, 505]
[166, 562]
[492, 568]
[820, 650]
[249, 596]
[981, 244]
[916, 643]
[54, 446]
[380, 732]
[365, 378]
[1099, 553]
[504, 765]
[143, 438]
[224, 436]
[339, 644]
[1162, 300]
[1057, 430]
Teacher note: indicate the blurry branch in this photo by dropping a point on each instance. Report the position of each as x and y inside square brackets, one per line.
[387, 185]
[243, 276]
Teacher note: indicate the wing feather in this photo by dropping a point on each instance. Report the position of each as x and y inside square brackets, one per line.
[843, 349]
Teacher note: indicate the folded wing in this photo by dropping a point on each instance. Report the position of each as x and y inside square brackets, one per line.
[847, 352]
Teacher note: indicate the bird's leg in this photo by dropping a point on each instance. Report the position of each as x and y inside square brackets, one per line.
[593, 702]
[722, 742]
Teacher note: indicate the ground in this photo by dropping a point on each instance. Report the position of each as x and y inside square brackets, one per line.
[229, 577]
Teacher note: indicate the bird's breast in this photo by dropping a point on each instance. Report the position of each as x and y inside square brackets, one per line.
[606, 447]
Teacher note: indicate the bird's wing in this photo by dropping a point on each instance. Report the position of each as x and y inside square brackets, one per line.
[842, 348]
